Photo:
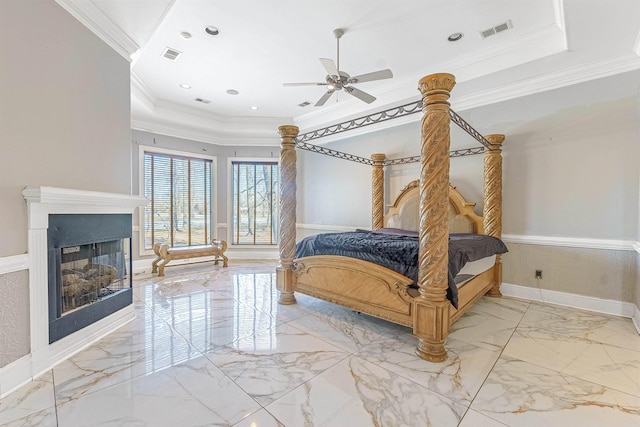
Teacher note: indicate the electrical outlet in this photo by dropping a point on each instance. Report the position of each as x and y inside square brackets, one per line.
[538, 274]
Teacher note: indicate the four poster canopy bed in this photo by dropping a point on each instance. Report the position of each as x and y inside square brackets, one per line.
[453, 254]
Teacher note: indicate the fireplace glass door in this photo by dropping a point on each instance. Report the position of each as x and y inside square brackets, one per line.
[92, 272]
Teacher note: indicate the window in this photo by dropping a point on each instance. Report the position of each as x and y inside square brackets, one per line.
[255, 203]
[180, 210]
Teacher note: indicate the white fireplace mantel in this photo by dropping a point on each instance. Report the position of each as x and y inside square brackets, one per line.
[41, 202]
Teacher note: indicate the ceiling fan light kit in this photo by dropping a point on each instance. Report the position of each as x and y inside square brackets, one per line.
[337, 79]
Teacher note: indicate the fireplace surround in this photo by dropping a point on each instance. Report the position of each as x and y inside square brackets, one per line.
[43, 204]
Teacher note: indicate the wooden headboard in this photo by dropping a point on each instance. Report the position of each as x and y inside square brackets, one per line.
[404, 212]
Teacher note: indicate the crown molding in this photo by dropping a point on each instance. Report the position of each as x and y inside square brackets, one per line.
[214, 129]
[565, 77]
[142, 93]
[207, 135]
[89, 14]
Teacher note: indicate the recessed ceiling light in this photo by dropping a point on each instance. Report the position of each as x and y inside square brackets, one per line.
[254, 108]
[185, 35]
[212, 31]
[185, 86]
[232, 92]
[455, 37]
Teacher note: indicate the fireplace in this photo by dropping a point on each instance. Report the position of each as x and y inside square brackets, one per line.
[88, 269]
[107, 245]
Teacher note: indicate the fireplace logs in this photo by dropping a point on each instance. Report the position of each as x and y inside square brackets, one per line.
[83, 286]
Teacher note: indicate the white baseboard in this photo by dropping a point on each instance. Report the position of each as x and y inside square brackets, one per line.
[15, 375]
[636, 318]
[599, 305]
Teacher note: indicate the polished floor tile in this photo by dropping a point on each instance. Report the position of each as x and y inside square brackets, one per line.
[193, 393]
[359, 393]
[211, 346]
[33, 402]
[519, 393]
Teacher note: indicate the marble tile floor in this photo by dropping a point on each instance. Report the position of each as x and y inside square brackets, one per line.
[210, 346]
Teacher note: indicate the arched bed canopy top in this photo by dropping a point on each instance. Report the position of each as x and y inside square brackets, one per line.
[383, 116]
[301, 141]
[374, 289]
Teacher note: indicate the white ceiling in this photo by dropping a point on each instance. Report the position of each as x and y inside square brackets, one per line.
[263, 44]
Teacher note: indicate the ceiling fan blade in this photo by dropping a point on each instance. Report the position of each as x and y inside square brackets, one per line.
[304, 84]
[376, 75]
[330, 66]
[324, 98]
[363, 96]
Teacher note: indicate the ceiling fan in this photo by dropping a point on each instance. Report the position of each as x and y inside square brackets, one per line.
[337, 79]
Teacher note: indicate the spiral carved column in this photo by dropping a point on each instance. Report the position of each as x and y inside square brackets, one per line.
[377, 192]
[431, 308]
[492, 212]
[285, 278]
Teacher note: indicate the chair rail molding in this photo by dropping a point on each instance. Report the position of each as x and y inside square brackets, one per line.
[14, 263]
[574, 242]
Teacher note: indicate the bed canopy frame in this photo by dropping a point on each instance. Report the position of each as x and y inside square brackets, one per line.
[430, 313]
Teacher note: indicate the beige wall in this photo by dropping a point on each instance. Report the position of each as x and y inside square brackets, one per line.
[64, 122]
[64, 111]
[599, 273]
[637, 288]
[14, 318]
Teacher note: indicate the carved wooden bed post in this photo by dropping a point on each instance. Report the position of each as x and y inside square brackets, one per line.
[285, 278]
[431, 308]
[492, 211]
[377, 192]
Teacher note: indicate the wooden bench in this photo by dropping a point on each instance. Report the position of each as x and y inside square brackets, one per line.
[166, 254]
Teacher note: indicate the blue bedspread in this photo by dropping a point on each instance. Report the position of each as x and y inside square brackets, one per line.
[398, 250]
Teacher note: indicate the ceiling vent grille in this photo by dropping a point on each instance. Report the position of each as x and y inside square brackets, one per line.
[204, 101]
[304, 104]
[171, 54]
[497, 29]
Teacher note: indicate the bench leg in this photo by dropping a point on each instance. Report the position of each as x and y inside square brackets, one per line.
[225, 260]
[154, 264]
[166, 257]
[161, 267]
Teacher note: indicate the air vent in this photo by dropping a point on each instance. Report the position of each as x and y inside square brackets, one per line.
[497, 29]
[204, 101]
[304, 104]
[171, 54]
